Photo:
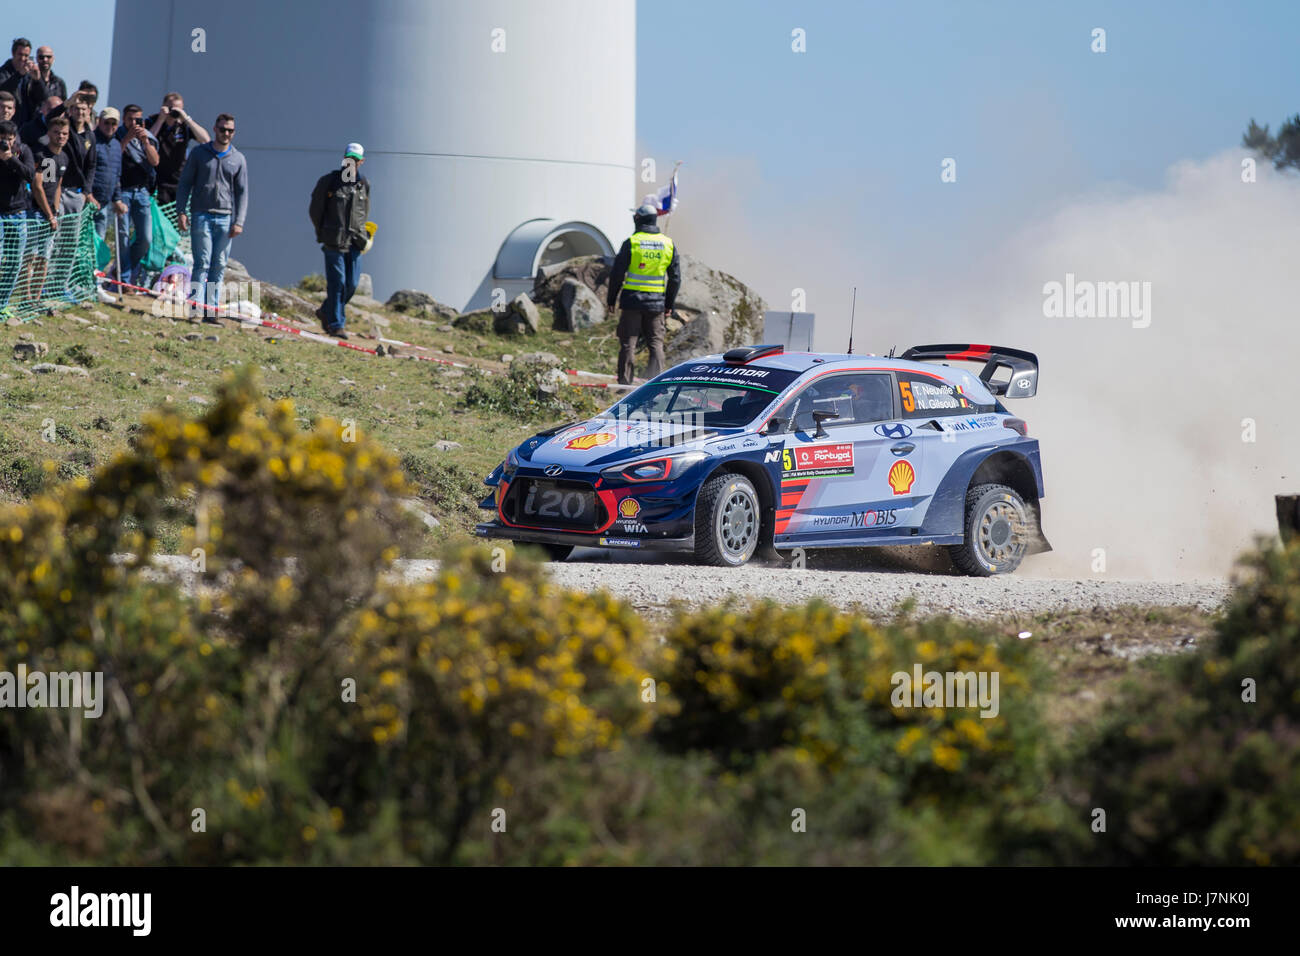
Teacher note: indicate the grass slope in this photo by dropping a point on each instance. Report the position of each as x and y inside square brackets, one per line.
[137, 361]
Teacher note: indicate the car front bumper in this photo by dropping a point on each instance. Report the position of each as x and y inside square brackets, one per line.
[611, 540]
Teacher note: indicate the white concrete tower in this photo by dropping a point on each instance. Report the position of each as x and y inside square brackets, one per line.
[499, 134]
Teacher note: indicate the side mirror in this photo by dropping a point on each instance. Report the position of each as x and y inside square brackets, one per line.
[820, 417]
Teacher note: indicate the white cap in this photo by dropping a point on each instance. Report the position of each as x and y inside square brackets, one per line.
[355, 150]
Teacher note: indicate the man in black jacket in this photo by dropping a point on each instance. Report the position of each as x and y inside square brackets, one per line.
[340, 206]
[648, 271]
[22, 77]
[16, 171]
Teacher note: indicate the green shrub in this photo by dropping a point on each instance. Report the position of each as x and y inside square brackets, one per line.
[528, 392]
[312, 283]
[1189, 772]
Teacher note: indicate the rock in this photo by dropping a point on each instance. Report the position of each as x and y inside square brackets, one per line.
[520, 316]
[198, 400]
[577, 307]
[23, 351]
[99, 316]
[507, 358]
[211, 338]
[449, 350]
[365, 285]
[446, 328]
[591, 271]
[47, 368]
[732, 312]
[415, 302]
[526, 309]
[416, 507]
[445, 445]
[13, 323]
[546, 391]
[79, 320]
[546, 358]
[193, 336]
[236, 268]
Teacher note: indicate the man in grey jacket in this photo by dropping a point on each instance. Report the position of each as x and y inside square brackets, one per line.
[214, 190]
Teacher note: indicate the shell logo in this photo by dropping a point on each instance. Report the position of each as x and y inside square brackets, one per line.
[629, 508]
[901, 477]
[585, 442]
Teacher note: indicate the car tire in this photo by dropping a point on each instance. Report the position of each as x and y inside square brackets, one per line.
[556, 552]
[998, 528]
[728, 521]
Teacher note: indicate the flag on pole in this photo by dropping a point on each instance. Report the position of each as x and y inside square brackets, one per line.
[665, 200]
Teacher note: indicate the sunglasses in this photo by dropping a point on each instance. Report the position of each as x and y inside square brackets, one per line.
[48, 56]
[225, 129]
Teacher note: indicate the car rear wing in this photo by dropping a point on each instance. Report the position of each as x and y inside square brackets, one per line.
[1023, 366]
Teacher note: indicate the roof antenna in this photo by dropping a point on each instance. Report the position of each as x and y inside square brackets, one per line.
[852, 312]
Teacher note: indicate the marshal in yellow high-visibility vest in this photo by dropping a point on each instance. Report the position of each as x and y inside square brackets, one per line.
[652, 253]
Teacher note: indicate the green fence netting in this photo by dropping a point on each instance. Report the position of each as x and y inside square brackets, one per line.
[44, 268]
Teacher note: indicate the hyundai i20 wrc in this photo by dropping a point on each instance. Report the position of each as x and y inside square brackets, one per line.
[763, 450]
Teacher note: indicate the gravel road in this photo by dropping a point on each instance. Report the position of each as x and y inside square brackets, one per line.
[846, 579]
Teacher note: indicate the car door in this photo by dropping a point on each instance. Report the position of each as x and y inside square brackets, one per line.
[836, 483]
[934, 414]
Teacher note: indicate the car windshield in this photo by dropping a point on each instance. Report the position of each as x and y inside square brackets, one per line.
[705, 395]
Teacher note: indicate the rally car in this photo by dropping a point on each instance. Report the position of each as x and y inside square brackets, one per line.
[764, 450]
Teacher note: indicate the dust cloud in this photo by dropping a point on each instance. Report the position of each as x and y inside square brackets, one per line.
[1144, 430]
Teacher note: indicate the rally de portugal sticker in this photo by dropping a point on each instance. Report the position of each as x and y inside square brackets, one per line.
[817, 461]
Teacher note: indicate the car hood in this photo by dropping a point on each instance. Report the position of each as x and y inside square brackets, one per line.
[599, 442]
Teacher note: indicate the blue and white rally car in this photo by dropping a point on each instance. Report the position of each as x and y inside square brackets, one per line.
[763, 449]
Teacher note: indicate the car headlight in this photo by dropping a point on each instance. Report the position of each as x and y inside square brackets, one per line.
[509, 467]
[655, 469]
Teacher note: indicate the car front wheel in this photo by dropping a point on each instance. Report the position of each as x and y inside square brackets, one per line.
[727, 521]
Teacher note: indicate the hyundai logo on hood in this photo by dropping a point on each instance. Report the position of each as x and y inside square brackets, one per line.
[553, 470]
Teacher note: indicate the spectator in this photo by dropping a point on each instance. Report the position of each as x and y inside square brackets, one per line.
[79, 181]
[16, 171]
[8, 107]
[106, 187]
[89, 92]
[214, 188]
[139, 161]
[50, 162]
[54, 85]
[21, 77]
[174, 129]
[340, 206]
[32, 131]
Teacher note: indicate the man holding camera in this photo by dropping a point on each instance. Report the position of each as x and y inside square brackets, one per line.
[175, 130]
[139, 160]
[22, 77]
[16, 170]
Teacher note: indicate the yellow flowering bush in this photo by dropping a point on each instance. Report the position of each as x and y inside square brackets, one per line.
[823, 683]
[284, 700]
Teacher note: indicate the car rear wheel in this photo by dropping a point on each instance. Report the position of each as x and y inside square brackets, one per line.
[998, 530]
[727, 521]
